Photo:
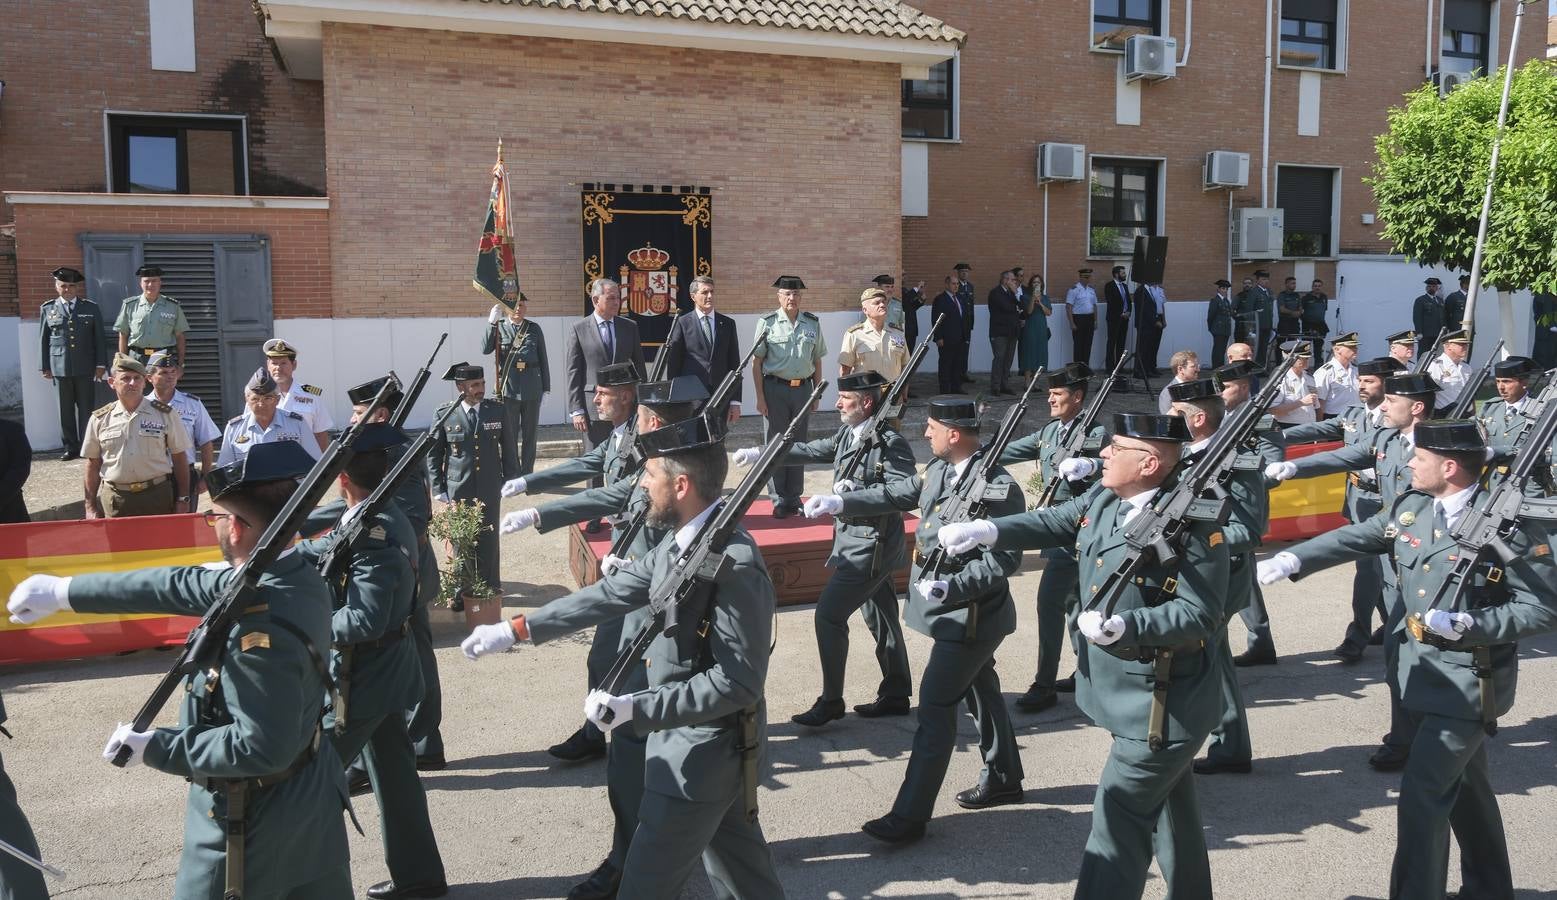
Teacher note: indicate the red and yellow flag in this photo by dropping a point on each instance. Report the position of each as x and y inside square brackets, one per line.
[497, 273]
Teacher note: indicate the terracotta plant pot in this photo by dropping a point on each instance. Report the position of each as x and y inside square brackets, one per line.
[483, 610]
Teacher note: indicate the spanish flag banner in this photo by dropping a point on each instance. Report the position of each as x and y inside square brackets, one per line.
[497, 274]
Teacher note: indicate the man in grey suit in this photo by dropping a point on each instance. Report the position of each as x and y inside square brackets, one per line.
[73, 352]
[599, 339]
[704, 344]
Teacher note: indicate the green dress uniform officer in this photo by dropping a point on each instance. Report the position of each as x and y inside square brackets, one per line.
[18, 881]
[377, 675]
[703, 711]
[965, 608]
[467, 462]
[73, 353]
[265, 783]
[1059, 589]
[866, 554]
[262, 422]
[1221, 315]
[520, 346]
[138, 448]
[1146, 803]
[151, 321]
[787, 362]
[1445, 648]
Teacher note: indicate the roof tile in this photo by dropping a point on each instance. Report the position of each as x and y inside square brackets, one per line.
[887, 18]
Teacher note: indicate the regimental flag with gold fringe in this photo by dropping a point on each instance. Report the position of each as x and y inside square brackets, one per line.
[497, 274]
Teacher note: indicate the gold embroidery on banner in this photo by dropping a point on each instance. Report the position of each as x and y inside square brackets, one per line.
[598, 206]
[697, 211]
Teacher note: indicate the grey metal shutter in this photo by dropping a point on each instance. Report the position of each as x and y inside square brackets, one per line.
[189, 276]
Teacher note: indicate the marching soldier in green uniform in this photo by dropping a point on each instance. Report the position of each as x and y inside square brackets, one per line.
[785, 366]
[1507, 418]
[965, 608]
[467, 462]
[377, 675]
[524, 375]
[1059, 588]
[703, 710]
[1440, 648]
[152, 320]
[1146, 802]
[1237, 380]
[867, 551]
[266, 784]
[138, 448]
[18, 881]
[73, 353]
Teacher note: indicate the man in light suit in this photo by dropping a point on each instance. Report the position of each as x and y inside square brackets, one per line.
[704, 344]
[595, 341]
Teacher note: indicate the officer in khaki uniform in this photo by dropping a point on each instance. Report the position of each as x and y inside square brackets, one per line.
[151, 321]
[73, 352]
[1441, 645]
[874, 345]
[786, 364]
[525, 375]
[265, 783]
[136, 447]
[18, 881]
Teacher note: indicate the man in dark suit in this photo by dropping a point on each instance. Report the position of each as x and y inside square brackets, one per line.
[965, 297]
[1005, 330]
[913, 298]
[15, 466]
[704, 344]
[597, 340]
[1116, 299]
[1151, 317]
[950, 339]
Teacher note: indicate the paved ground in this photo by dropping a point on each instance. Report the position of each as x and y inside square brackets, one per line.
[1313, 821]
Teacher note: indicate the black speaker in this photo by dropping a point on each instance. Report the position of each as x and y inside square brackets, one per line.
[1150, 259]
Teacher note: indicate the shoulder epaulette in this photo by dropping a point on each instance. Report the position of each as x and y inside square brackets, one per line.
[809, 315]
[104, 409]
[855, 327]
[316, 391]
[234, 420]
[169, 299]
[771, 317]
[891, 327]
[160, 406]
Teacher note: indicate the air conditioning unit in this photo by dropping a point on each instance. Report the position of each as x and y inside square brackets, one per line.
[1258, 234]
[1151, 57]
[1062, 162]
[1448, 81]
[1226, 169]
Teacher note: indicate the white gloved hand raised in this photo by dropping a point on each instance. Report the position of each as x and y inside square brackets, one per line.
[519, 520]
[845, 486]
[823, 505]
[1451, 626]
[961, 537]
[38, 597]
[933, 591]
[612, 563]
[1282, 565]
[126, 736]
[1280, 471]
[598, 702]
[512, 488]
[496, 315]
[1077, 468]
[745, 456]
[1098, 630]
[494, 638]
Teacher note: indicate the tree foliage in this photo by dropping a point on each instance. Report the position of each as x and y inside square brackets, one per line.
[1431, 173]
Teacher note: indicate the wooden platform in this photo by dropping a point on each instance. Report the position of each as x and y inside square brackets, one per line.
[795, 550]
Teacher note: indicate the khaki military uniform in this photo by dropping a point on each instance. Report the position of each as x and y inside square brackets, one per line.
[151, 326]
[136, 449]
[865, 349]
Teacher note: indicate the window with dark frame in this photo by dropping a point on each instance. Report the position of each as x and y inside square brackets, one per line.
[1114, 21]
[1467, 25]
[928, 103]
[1308, 33]
[1124, 205]
[1307, 200]
[176, 155]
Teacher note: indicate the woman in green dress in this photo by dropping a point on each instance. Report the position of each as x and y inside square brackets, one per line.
[1033, 352]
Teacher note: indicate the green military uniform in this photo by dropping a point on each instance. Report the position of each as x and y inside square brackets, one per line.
[18, 881]
[262, 719]
[789, 352]
[967, 626]
[1145, 800]
[1445, 783]
[151, 325]
[467, 462]
[1505, 424]
[1255, 318]
[525, 378]
[378, 677]
[1271, 445]
[72, 347]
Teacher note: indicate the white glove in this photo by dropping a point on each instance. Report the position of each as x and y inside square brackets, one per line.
[596, 704]
[746, 456]
[845, 486]
[612, 562]
[1077, 468]
[441, 497]
[486, 639]
[1282, 565]
[219, 566]
[1098, 630]
[1552, 328]
[519, 520]
[126, 736]
[823, 505]
[1451, 626]
[512, 488]
[38, 597]
[496, 315]
[933, 591]
[1281, 471]
[960, 537]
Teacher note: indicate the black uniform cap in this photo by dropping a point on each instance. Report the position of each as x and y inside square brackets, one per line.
[1223, 282]
[884, 279]
[149, 272]
[261, 384]
[960, 267]
[1431, 280]
[263, 463]
[1457, 336]
[1199, 389]
[1514, 367]
[1403, 337]
[681, 389]
[463, 371]
[1236, 370]
[68, 275]
[958, 412]
[378, 436]
[1152, 427]
[1382, 367]
[1349, 339]
[789, 283]
[1449, 436]
[1068, 376]
[685, 436]
[365, 392]
[622, 374]
[1410, 384]
[861, 381]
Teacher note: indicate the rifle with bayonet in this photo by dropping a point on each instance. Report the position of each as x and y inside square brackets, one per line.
[208, 639]
[1465, 404]
[890, 407]
[1422, 362]
[419, 381]
[1075, 438]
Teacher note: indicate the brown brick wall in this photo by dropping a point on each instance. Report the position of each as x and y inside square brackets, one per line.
[9, 305]
[46, 237]
[802, 156]
[1029, 77]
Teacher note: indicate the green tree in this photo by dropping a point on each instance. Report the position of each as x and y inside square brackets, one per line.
[1431, 172]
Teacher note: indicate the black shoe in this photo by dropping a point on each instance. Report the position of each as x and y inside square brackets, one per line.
[820, 713]
[780, 511]
[67, 456]
[1037, 699]
[1066, 685]
[883, 706]
[1348, 652]
[593, 527]
[430, 763]
[457, 604]
[357, 783]
[386, 890]
[1209, 766]
[894, 829]
[1376, 639]
[578, 747]
[984, 796]
[1389, 758]
[600, 885]
[1255, 658]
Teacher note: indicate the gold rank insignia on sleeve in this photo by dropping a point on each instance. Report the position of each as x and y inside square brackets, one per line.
[255, 639]
[1216, 538]
[1541, 550]
[378, 533]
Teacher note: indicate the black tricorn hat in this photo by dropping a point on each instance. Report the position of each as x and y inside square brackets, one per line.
[681, 389]
[1514, 367]
[463, 371]
[68, 275]
[1152, 427]
[620, 374]
[789, 283]
[1383, 366]
[960, 267]
[1449, 436]
[1068, 376]
[1236, 370]
[1431, 279]
[149, 272]
[1199, 389]
[1223, 282]
[365, 392]
[263, 463]
[956, 411]
[1410, 384]
[684, 436]
[861, 381]
[378, 436]
[884, 279]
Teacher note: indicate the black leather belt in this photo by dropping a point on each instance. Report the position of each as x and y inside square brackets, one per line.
[388, 640]
[303, 759]
[1145, 654]
[792, 382]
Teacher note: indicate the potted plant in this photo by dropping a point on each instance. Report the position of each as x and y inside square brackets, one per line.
[459, 525]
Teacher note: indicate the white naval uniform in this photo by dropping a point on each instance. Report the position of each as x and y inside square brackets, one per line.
[308, 402]
[1451, 377]
[1336, 386]
[1296, 387]
[242, 433]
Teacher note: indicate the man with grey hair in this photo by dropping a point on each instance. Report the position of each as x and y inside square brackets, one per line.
[595, 341]
[704, 344]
